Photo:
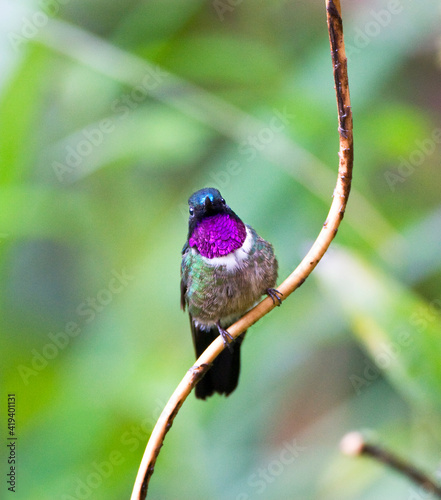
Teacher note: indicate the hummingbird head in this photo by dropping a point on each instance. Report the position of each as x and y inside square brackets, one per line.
[205, 203]
[213, 228]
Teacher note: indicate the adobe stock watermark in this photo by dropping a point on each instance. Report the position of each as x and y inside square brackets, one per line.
[380, 19]
[93, 137]
[138, 435]
[86, 312]
[258, 481]
[251, 147]
[390, 351]
[423, 316]
[256, 143]
[361, 38]
[407, 166]
[85, 486]
[32, 24]
[387, 354]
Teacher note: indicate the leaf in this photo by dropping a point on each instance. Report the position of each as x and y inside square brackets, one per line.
[20, 105]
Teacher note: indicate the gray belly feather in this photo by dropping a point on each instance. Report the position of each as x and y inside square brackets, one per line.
[218, 292]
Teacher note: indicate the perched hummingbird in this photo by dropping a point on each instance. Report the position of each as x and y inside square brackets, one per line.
[226, 267]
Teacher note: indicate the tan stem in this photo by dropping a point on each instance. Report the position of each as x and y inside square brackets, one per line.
[295, 279]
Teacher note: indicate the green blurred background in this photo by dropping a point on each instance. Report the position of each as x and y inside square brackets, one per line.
[112, 113]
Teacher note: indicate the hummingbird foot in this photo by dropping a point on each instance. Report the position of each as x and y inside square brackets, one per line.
[275, 295]
[226, 337]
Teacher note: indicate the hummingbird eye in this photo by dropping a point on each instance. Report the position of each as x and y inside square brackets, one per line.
[191, 210]
[222, 201]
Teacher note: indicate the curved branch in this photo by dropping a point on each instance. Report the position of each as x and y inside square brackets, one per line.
[295, 279]
[353, 444]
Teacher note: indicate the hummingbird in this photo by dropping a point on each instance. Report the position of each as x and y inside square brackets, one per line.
[226, 267]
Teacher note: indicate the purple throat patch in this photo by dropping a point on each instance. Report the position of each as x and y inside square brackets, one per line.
[218, 235]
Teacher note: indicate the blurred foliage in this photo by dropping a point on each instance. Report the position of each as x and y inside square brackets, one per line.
[112, 113]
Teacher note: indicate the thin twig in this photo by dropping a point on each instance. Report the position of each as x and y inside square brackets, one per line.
[295, 279]
[353, 444]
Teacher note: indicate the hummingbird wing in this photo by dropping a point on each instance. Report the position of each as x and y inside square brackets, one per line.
[183, 292]
[184, 276]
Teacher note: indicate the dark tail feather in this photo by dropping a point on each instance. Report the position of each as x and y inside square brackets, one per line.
[223, 376]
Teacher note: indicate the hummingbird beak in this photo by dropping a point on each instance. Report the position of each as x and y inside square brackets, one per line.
[208, 204]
